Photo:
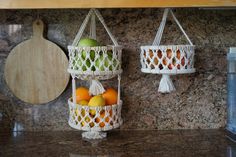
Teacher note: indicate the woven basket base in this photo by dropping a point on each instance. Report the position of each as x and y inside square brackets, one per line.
[94, 135]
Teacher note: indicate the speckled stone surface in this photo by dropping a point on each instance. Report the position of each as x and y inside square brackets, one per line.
[185, 143]
[200, 99]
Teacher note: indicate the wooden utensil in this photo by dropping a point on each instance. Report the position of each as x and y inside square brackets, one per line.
[36, 69]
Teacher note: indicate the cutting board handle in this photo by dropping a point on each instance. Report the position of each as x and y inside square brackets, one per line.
[38, 28]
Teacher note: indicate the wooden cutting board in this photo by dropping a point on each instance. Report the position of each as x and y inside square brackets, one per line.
[36, 69]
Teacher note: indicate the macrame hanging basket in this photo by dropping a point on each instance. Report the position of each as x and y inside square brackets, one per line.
[94, 120]
[94, 64]
[105, 63]
[167, 59]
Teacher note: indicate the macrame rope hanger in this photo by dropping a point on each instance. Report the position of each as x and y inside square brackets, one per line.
[166, 85]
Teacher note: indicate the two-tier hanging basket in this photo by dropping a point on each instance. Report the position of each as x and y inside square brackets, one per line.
[167, 59]
[93, 64]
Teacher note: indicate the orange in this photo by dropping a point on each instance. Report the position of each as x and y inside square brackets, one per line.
[178, 54]
[102, 124]
[174, 61]
[82, 93]
[91, 124]
[155, 61]
[183, 61]
[144, 53]
[178, 66]
[159, 54]
[169, 53]
[110, 96]
[102, 115]
[150, 53]
[164, 61]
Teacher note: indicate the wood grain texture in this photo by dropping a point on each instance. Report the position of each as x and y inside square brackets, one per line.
[35, 4]
[35, 70]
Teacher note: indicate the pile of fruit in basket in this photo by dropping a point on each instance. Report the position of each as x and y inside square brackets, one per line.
[89, 61]
[83, 98]
[170, 59]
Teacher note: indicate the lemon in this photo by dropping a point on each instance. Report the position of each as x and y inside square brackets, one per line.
[79, 118]
[92, 112]
[76, 112]
[79, 115]
[83, 112]
[96, 101]
[87, 120]
[83, 102]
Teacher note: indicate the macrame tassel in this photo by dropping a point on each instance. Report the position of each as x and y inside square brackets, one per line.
[166, 85]
[96, 88]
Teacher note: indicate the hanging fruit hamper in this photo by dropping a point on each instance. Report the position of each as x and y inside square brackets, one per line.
[94, 63]
[167, 59]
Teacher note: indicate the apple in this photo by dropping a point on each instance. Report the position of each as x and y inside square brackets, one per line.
[80, 64]
[114, 64]
[101, 63]
[92, 54]
[87, 42]
[110, 56]
[109, 53]
[76, 62]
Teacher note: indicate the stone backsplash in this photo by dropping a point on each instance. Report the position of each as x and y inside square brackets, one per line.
[200, 99]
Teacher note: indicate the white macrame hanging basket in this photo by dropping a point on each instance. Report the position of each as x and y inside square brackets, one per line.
[167, 59]
[94, 120]
[106, 61]
[104, 64]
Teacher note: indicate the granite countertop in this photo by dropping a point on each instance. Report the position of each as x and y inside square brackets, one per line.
[178, 143]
